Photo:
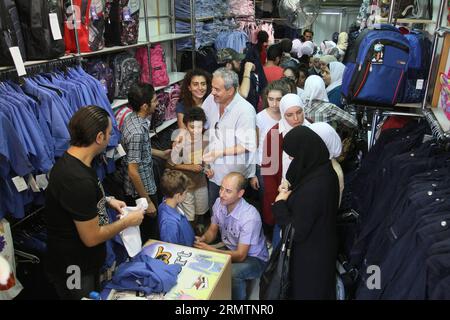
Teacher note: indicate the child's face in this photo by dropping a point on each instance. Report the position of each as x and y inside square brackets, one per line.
[195, 128]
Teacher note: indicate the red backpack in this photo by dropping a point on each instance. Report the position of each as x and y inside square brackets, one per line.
[80, 14]
[158, 63]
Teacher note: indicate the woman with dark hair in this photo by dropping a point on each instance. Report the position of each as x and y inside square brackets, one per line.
[310, 205]
[195, 88]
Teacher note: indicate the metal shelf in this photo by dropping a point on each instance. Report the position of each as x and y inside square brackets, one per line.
[174, 77]
[442, 119]
[418, 21]
[39, 62]
[164, 125]
[169, 37]
[113, 49]
[118, 103]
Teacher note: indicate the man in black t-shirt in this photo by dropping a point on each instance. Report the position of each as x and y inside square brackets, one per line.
[75, 212]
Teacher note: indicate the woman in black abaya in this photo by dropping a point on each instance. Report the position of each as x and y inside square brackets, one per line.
[311, 204]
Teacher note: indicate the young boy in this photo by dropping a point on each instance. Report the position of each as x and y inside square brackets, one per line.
[173, 224]
[186, 156]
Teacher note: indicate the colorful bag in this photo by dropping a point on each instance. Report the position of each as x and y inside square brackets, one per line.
[122, 22]
[96, 25]
[101, 71]
[158, 62]
[82, 22]
[174, 96]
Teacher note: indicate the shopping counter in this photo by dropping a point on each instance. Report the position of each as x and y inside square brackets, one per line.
[205, 275]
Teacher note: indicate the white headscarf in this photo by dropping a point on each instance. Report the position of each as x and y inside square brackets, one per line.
[329, 136]
[302, 48]
[288, 101]
[326, 46]
[336, 73]
[314, 90]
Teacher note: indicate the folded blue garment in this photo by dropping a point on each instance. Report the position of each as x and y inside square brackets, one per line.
[145, 274]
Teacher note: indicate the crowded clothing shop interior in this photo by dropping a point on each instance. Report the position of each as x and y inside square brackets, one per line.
[224, 150]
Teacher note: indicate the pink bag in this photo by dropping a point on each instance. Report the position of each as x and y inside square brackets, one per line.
[174, 96]
[158, 65]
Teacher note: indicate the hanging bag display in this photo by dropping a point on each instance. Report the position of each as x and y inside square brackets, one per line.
[375, 67]
[10, 32]
[42, 23]
[274, 283]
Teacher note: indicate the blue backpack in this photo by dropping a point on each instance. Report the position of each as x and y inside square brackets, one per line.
[375, 67]
[418, 66]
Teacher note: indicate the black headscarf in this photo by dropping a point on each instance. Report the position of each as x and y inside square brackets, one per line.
[308, 150]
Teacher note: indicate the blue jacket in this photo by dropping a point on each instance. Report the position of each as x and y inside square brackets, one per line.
[174, 227]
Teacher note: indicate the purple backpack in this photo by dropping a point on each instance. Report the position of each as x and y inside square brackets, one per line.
[101, 71]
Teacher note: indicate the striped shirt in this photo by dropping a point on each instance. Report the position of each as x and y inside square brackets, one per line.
[321, 111]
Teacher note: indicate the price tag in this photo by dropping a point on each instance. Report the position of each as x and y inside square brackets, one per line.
[32, 183]
[18, 61]
[419, 84]
[20, 183]
[110, 153]
[42, 181]
[54, 26]
[121, 151]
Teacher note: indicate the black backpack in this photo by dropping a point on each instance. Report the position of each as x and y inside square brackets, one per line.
[35, 23]
[274, 283]
[10, 32]
[126, 73]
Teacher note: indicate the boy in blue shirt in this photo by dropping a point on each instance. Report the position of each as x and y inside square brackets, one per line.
[173, 225]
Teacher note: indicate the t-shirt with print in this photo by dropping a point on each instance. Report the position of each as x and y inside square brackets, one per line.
[74, 193]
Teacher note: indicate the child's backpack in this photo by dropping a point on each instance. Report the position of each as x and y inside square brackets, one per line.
[376, 67]
[121, 114]
[122, 22]
[174, 97]
[10, 32]
[35, 22]
[158, 116]
[96, 25]
[158, 63]
[126, 73]
[418, 66]
[101, 70]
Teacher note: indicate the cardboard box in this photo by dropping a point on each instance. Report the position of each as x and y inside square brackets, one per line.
[205, 275]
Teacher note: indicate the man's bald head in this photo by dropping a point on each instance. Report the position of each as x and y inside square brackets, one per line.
[238, 180]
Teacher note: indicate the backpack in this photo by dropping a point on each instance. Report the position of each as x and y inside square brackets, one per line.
[174, 97]
[35, 22]
[121, 114]
[122, 22]
[126, 73]
[101, 71]
[82, 25]
[158, 116]
[418, 66]
[158, 63]
[274, 283]
[96, 25]
[10, 32]
[375, 67]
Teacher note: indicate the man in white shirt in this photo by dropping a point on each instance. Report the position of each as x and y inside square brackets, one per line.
[231, 124]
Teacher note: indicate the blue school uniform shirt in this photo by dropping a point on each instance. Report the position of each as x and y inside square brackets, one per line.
[174, 226]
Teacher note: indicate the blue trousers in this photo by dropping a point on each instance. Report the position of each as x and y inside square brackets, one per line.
[251, 268]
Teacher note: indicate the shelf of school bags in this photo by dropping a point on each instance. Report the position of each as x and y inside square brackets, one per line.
[174, 77]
